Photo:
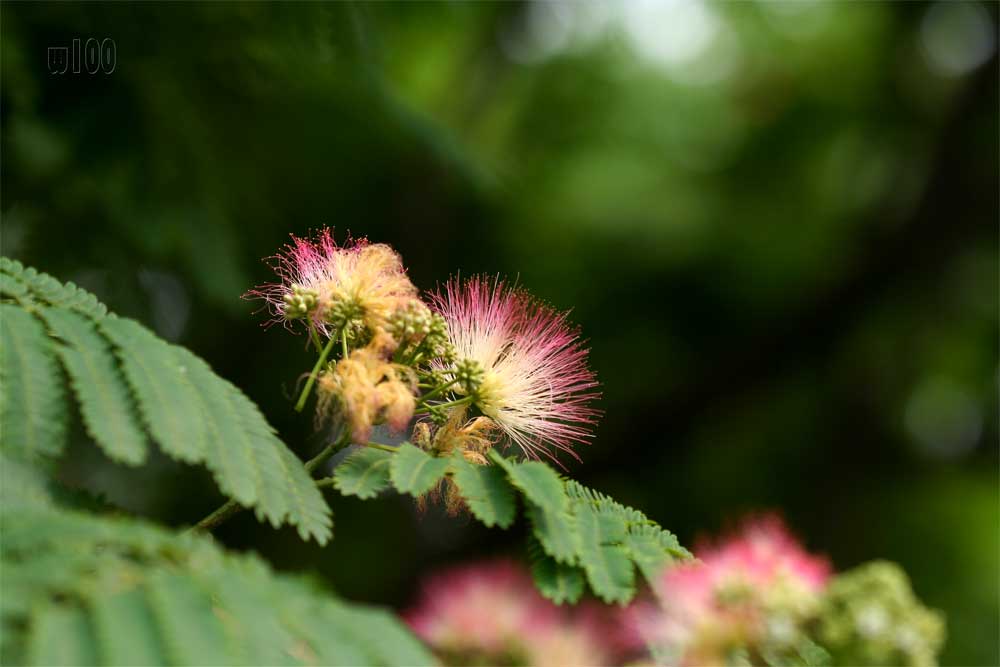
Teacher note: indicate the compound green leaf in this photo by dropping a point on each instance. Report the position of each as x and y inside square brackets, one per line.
[105, 400]
[486, 492]
[32, 399]
[414, 471]
[365, 473]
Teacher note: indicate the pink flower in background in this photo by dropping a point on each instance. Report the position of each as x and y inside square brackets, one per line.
[367, 280]
[485, 606]
[764, 554]
[537, 386]
[491, 613]
[751, 589]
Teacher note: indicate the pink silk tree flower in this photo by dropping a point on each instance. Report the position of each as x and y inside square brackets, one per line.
[536, 384]
[752, 590]
[486, 608]
[490, 613]
[332, 285]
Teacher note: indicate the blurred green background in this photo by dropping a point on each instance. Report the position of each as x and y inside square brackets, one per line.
[775, 222]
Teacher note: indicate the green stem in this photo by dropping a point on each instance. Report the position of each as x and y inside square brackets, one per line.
[328, 451]
[422, 407]
[343, 342]
[232, 508]
[435, 392]
[384, 448]
[315, 338]
[224, 513]
[312, 376]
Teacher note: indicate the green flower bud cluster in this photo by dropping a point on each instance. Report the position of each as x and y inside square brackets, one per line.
[437, 340]
[422, 333]
[870, 616]
[469, 375]
[410, 324]
[348, 316]
[435, 377]
[300, 302]
[345, 314]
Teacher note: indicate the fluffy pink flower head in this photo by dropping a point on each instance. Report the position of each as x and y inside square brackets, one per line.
[757, 582]
[486, 607]
[317, 276]
[537, 386]
[765, 554]
[491, 613]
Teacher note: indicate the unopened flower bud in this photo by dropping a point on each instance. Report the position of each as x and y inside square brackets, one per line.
[345, 314]
[469, 375]
[411, 323]
[437, 340]
[299, 302]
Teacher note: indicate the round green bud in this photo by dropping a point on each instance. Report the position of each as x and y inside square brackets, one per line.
[299, 302]
[469, 375]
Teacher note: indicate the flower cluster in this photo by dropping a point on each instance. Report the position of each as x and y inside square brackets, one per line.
[529, 371]
[752, 591]
[329, 285]
[479, 363]
[760, 598]
[490, 614]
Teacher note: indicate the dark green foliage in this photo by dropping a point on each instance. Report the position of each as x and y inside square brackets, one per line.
[415, 472]
[133, 387]
[32, 397]
[577, 534]
[82, 590]
[556, 581]
[27, 284]
[486, 492]
[105, 404]
[365, 473]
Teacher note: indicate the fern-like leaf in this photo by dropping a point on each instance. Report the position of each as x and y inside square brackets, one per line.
[14, 290]
[538, 482]
[167, 399]
[555, 530]
[651, 549]
[183, 610]
[45, 288]
[365, 473]
[602, 554]
[196, 416]
[32, 400]
[556, 581]
[414, 471]
[23, 484]
[486, 491]
[105, 403]
[191, 413]
[248, 460]
[60, 636]
[94, 591]
[124, 629]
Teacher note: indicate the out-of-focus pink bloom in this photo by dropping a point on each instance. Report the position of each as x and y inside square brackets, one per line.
[485, 607]
[763, 554]
[367, 279]
[751, 588]
[537, 386]
[489, 613]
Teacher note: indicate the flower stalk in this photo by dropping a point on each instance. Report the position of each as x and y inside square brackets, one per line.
[315, 372]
